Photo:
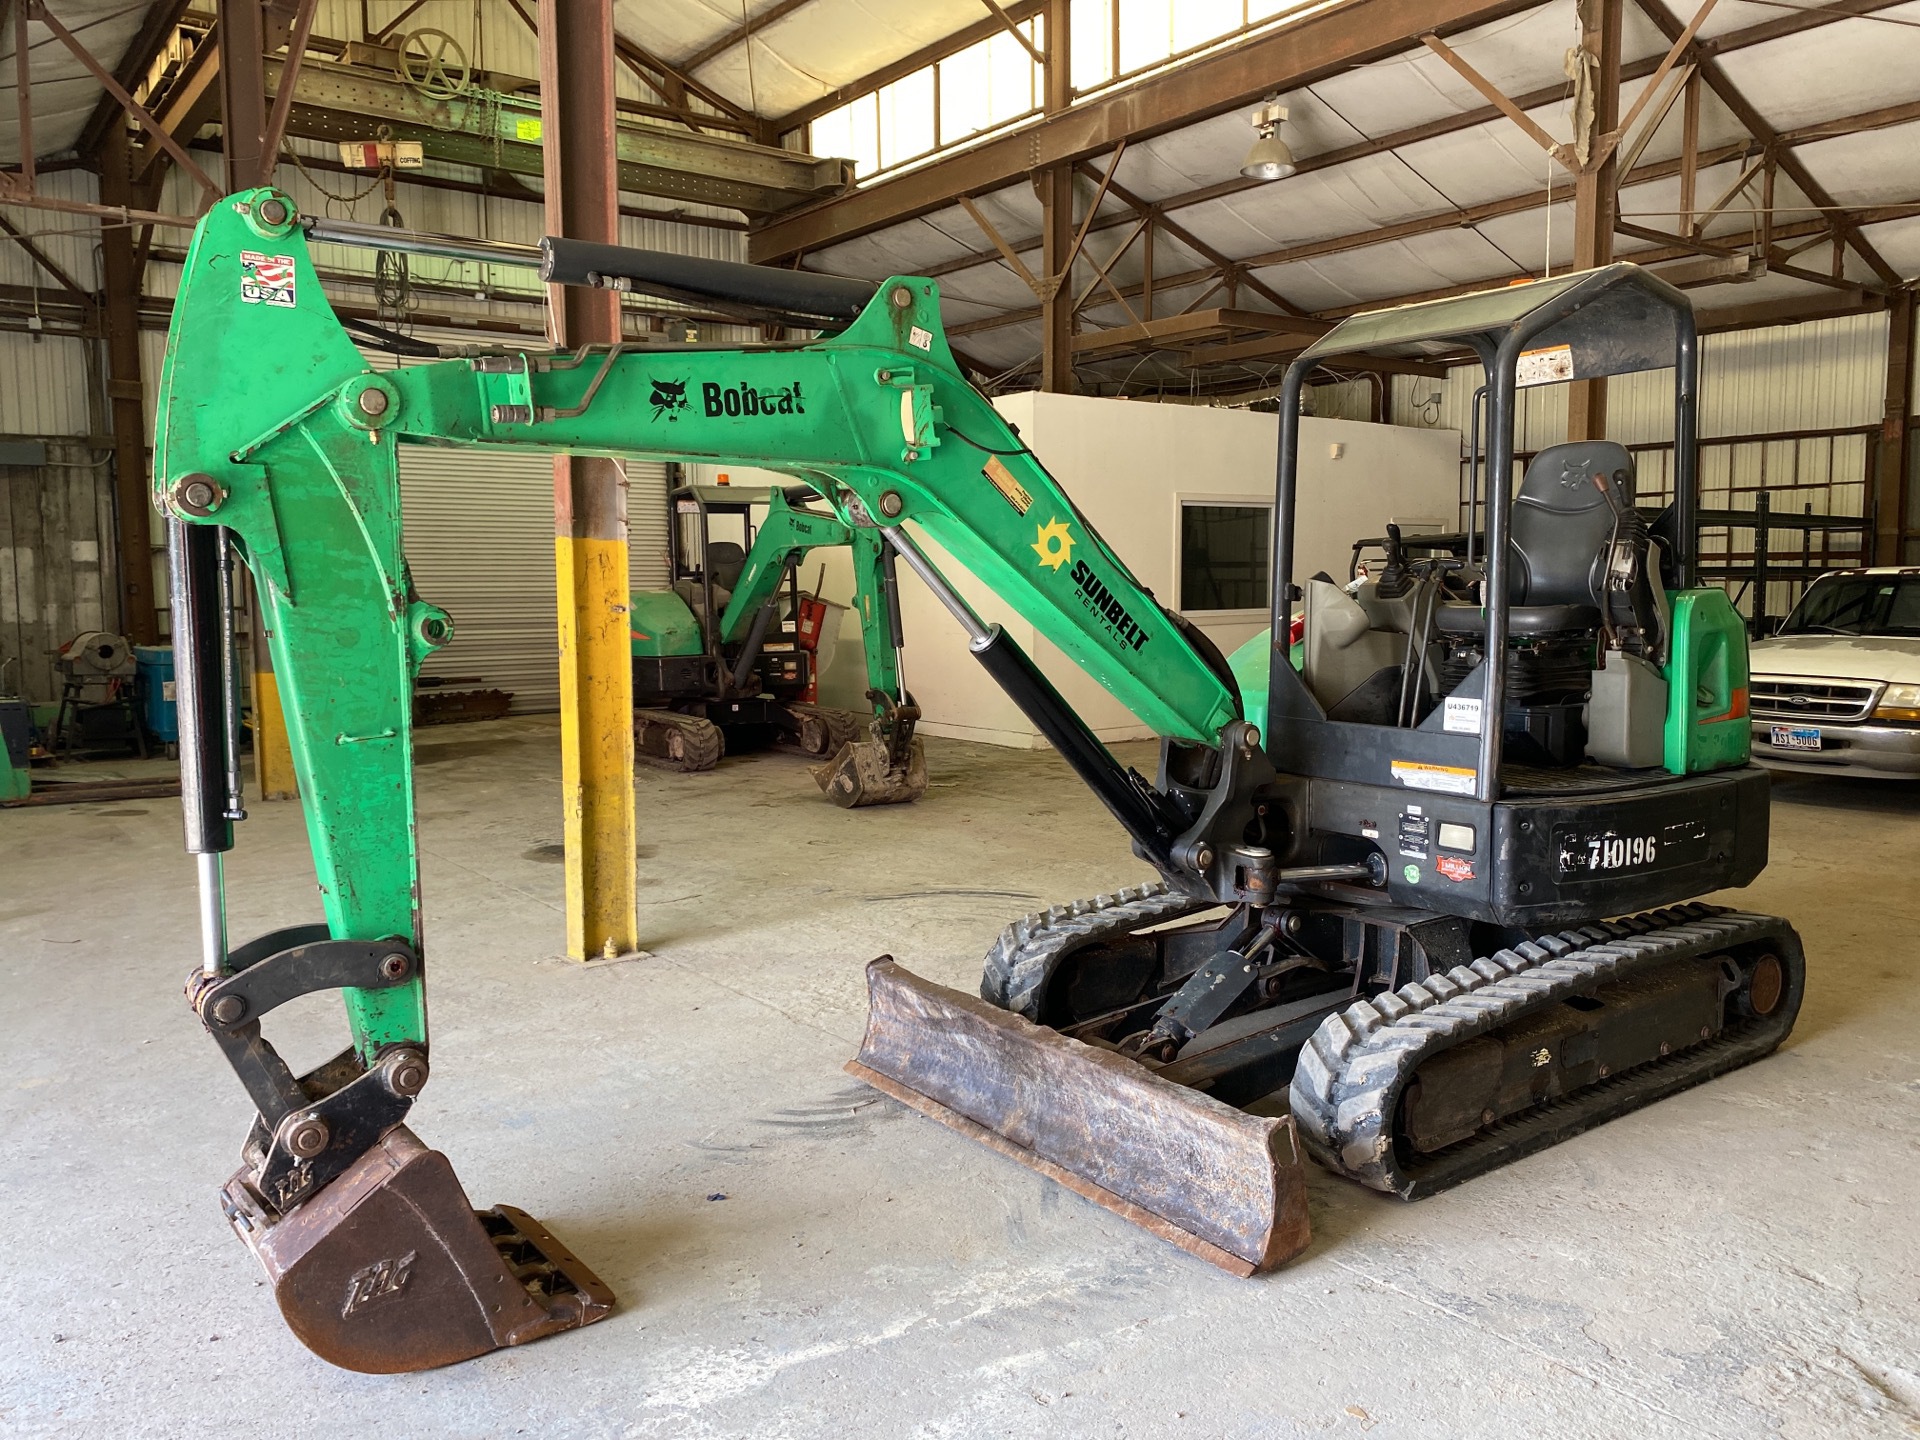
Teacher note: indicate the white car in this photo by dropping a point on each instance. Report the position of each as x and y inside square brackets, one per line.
[1837, 689]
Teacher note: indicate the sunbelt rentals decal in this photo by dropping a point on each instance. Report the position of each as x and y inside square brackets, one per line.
[1053, 542]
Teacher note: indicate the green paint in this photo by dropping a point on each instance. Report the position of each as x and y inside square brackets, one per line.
[262, 389]
[783, 538]
[15, 784]
[1252, 667]
[1708, 727]
[663, 624]
[876, 622]
[263, 397]
[1411, 874]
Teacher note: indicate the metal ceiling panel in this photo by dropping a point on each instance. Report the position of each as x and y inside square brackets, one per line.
[1874, 168]
[1899, 242]
[1846, 68]
[1321, 203]
[64, 94]
[799, 57]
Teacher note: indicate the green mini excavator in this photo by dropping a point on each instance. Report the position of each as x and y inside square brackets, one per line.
[718, 660]
[1428, 881]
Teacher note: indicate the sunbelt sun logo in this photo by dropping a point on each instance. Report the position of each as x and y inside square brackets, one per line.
[1054, 544]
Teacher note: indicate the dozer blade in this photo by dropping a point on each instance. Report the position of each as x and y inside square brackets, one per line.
[1221, 1184]
[390, 1269]
[860, 775]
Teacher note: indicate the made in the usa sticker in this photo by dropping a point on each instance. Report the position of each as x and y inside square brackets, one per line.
[266, 279]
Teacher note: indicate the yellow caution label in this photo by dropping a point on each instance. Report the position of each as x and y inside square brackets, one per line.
[1002, 480]
[1446, 779]
[528, 130]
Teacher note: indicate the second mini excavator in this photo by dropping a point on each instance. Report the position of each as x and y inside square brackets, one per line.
[1427, 896]
[718, 660]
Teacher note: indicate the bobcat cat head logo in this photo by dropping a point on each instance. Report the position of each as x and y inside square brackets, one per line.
[669, 397]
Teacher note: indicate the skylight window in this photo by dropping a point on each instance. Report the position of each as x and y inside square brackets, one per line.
[995, 83]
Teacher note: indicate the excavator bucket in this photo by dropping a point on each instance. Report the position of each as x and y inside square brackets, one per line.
[389, 1269]
[863, 774]
[1221, 1184]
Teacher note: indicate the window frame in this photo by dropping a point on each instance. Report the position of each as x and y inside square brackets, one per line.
[1181, 500]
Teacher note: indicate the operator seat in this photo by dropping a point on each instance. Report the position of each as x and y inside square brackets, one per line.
[725, 560]
[1561, 542]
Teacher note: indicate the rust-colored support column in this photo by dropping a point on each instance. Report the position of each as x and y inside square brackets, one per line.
[1595, 192]
[1056, 204]
[1056, 304]
[120, 310]
[1890, 469]
[589, 499]
[242, 37]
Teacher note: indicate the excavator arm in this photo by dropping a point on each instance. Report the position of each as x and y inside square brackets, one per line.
[277, 448]
[783, 539]
[790, 533]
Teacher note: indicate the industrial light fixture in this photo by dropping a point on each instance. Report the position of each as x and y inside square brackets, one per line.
[1269, 159]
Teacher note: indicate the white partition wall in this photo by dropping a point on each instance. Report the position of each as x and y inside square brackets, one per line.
[1140, 472]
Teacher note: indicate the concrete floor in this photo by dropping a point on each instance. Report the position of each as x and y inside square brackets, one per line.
[797, 1257]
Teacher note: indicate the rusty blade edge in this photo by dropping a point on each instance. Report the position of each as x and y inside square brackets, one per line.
[1079, 1184]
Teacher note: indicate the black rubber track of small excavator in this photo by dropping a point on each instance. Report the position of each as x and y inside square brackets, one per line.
[1350, 1077]
[698, 740]
[1029, 950]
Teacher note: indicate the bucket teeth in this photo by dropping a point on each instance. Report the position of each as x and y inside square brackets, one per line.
[860, 775]
[389, 1269]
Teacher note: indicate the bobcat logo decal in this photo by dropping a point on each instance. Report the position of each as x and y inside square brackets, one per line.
[669, 398]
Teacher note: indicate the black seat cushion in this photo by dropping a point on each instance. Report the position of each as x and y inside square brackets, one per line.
[1522, 620]
[726, 560]
[1562, 522]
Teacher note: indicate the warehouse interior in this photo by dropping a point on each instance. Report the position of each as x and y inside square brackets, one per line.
[621, 515]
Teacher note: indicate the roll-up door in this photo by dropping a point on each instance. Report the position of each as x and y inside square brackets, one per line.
[479, 538]
[647, 524]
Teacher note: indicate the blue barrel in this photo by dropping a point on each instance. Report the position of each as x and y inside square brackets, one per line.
[153, 685]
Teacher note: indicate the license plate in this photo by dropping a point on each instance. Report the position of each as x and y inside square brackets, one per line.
[1796, 737]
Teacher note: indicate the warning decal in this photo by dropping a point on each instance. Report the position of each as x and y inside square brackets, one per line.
[1001, 478]
[1447, 779]
[1544, 367]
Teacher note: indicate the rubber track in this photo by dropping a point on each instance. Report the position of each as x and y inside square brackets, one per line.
[1029, 950]
[702, 741]
[1350, 1076]
[840, 725]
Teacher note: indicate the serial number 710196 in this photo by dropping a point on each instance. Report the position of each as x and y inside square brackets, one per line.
[1582, 853]
[1617, 852]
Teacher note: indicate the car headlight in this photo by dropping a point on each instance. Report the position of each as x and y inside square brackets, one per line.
[1899, 702]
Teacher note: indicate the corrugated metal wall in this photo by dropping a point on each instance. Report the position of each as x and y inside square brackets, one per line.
[57, 550]
[1817, 391]
[479, 541]
[56, 554]
[528, 511]
[1826, 374]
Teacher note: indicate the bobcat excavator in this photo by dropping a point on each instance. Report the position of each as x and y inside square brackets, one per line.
[716, 668]
[1428, 890]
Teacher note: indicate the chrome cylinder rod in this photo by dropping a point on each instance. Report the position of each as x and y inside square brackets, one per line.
[977, 631]
[213, 913]
[420, 242]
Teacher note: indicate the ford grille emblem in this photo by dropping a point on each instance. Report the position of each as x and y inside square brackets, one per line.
[1799, 702]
